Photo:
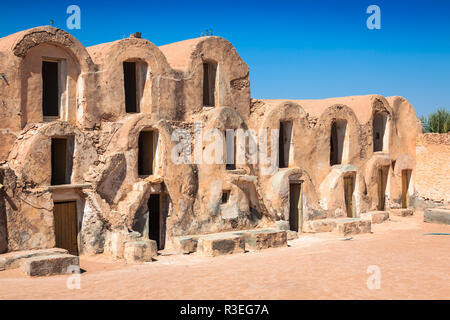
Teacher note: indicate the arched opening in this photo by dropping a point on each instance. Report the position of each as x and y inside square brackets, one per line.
[134, 77]
[380, 136]
[147, 146]
[338, 141]
[209, 83]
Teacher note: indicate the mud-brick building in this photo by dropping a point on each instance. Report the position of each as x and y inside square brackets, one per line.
[87, 135]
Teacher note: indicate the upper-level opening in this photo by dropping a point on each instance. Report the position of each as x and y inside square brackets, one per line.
[209, 83]
[338, 141]
[148, 142]
[380, 132]
[134, 77]
[54, 80]
[62, 149]
[230, 149]
[284, 145]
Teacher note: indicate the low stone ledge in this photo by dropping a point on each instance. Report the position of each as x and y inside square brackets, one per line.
[401, 212]
[375, 216]
[140, 251]
[256, 240]
[438, 215]
[12, 260]
[48, 265]
[349, 226]
[221, 244]
[321, 225]
[186, 245]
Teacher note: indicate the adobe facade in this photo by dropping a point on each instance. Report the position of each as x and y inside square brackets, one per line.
[71, 132]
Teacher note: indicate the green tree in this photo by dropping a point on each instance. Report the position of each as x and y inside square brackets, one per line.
[438, 122]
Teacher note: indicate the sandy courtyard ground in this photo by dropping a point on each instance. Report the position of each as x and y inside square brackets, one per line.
[322, 266]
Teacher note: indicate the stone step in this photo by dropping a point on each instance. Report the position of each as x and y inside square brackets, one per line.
[437, 215]
[49, 265]
[221, 244]
[140, 251]
[401, 212]
[186, 245]
[12, 260]
[320, 225]
[349, 226]
[259, 239]
[375, 216]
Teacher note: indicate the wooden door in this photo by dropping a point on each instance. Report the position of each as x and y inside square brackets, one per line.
[66, 231]
[406, 176]
[348, 194]
[381, 181]
[295, 206]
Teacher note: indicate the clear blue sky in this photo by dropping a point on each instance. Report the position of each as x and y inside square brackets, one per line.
[295, 49]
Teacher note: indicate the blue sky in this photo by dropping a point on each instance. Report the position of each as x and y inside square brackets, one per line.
[295, 49]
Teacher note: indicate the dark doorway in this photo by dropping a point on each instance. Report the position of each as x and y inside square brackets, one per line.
[50, 89]
[146, 153]
[62, 159]
[66, 230]
[295, 206]
[337, 140]
[284, 144]
[209, 83]
[154, 218]
[349, 186]
[379, 129]
[130, 86]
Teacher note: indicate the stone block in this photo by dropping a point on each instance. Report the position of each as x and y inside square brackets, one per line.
[140, 251]
[401, 212]
[256, 240]
[321, 225]
[186, 245]
[48, 265]
[349, 226]
[115, 242]
[221, 244]
[12, 260]
[375, 216]
[438, 215]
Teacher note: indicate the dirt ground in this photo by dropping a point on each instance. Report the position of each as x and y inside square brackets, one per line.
[321, 266]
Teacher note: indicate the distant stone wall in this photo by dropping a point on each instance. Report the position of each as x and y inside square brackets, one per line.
[433, 166]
